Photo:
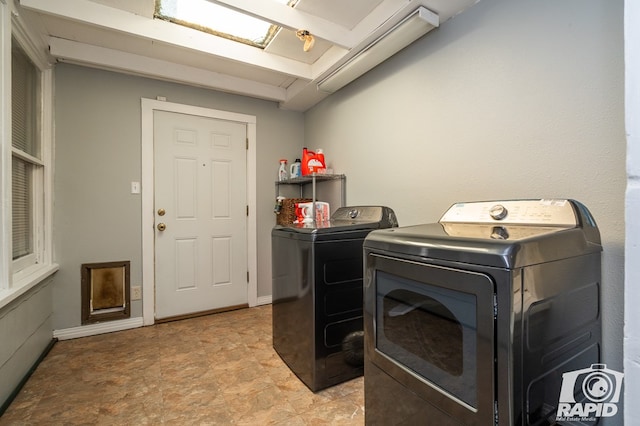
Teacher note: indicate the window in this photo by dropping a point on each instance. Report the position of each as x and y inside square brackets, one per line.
[26, 179]
[218, 20]
[26, 162]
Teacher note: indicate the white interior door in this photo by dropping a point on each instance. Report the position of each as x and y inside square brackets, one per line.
[200, 197]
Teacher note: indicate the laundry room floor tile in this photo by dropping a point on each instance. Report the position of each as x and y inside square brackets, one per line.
[218, 369]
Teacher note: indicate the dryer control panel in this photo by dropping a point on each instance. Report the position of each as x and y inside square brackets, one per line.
[546, 212]
[361, 214]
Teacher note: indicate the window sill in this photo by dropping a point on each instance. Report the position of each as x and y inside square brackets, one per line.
[28, 280]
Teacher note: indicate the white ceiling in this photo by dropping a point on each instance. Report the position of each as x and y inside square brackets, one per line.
[122, 35]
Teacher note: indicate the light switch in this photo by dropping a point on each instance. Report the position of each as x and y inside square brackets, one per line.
[135, 187]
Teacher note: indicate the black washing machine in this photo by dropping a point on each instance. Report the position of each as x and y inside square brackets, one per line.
[482, 317]
[317, 294]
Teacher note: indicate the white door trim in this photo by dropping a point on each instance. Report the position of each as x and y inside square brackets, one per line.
[148, 216]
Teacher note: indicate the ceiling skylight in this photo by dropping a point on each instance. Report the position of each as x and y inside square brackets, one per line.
[219, 20]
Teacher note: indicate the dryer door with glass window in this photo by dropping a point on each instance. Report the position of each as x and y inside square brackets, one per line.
[433, 330]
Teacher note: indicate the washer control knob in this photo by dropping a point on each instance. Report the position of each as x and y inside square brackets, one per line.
[353, 213]
[499, 233]
[498, 212]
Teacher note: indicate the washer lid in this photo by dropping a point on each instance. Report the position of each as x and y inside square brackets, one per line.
[532, 231]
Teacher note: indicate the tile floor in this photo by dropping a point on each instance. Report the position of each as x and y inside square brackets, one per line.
[214, 370]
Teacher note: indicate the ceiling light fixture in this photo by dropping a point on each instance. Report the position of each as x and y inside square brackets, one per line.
[412, 27]
[307, 38]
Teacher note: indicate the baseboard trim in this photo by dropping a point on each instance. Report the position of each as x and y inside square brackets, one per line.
[264, 300]
[99, 328]
[120, 325]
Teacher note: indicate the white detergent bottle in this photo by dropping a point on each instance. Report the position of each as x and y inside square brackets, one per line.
[283, 173]
[295, 169]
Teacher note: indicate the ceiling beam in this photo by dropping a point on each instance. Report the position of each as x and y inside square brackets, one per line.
[129, 63]
[98, 15]
[293, 19]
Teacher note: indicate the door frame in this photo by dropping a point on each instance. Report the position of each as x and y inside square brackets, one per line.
[148, 216]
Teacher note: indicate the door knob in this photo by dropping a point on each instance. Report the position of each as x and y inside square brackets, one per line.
[161, 212]
[162, 226]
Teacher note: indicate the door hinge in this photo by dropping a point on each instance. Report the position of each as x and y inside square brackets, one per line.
[495, 412]
[247, 144]
[247, 276]
[247, 210]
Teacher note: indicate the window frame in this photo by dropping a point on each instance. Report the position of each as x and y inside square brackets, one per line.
[37, 195]
[17, 277]
[36, 173]
[210, 27]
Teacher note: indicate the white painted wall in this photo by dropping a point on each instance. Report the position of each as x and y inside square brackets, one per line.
[632, 247]
[510, 99]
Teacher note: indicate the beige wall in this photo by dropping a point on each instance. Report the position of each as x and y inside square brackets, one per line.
[510, 99]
